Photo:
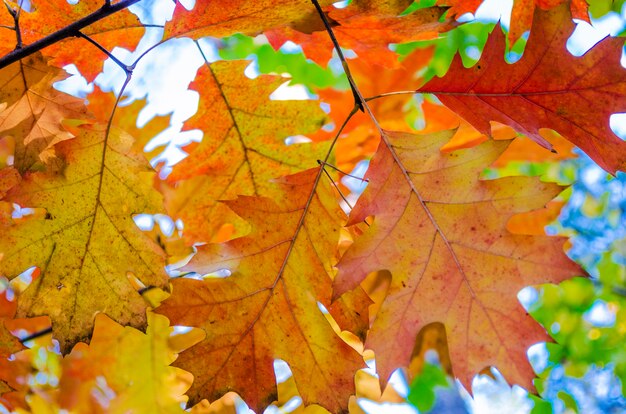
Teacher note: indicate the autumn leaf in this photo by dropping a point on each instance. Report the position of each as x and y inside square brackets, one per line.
[9, 344]
[359, 138]
[367, 27]
[441, 232]
[134, 365]
[460, 7]
[8, 39]
[9, 178]
[433, 256]
[121, 370]
[522, 13]
[86, 241]
[225, 18]
[525, 150]
[268, 307]
[575, 97]
[33, 111]
[125, 116]
[14, 369]
[439, 118]
[242, 149]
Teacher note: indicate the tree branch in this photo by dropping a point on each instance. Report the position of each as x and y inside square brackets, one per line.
[68, 31]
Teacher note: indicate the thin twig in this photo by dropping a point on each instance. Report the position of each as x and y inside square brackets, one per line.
[16, 22]
[68, 31]
[358, 101]
[125, 68]
[36, 335]
[343, 172]
[19, 8]
[12, 12]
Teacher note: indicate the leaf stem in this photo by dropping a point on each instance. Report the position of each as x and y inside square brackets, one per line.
[36, 335]
[384, 95]
[125, 68]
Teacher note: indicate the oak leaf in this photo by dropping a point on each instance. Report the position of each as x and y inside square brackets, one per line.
[242, 149]
[268, 307]
[250, 17]
[9, 344]
[86, 241]
[367, 27]
[33, 111]
[524, 10]
[575, 97]
[441, 232]
[523, 149]
[9, 177]
[101, 104]
[135, 367]
[14, 368]
[522, 13]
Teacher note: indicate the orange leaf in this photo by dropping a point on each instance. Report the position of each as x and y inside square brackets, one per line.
[441, 232]
[34, 111]
[227, 17]
[9, 344]
[268, 307]
[522, 13]
[526, 150]
[367, 27]
[575, 97]
[14, 369]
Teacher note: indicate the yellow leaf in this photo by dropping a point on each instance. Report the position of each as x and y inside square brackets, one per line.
[87, 241]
